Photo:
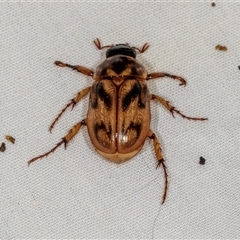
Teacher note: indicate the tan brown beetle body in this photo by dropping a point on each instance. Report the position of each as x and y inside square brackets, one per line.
[118, 119]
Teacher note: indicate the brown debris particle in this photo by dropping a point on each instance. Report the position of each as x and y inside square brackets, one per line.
[10, 138]
[221, 48]
[3, 147]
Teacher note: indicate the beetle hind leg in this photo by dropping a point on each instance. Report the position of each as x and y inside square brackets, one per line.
[73, 102]
[158, 152]
[172, 109]
[72, 132]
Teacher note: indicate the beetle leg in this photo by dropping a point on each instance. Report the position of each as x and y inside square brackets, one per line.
[158, 152]
[172, 109]
[73, 102]
[78, 68]
[161, 74]
[73, 131]
[98, 44]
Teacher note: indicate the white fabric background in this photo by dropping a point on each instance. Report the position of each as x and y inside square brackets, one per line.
[76, 193]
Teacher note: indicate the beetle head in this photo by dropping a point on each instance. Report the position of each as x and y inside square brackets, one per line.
[121, 49]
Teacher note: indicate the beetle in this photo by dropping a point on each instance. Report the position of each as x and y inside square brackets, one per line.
[118, 118]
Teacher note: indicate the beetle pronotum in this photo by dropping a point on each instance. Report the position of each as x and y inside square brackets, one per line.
[118, 119]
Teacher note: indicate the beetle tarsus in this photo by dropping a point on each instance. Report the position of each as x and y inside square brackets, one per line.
[73, 102]
[60, 64]
[158, 152]
[72, 132]
[161, 162]
[184, 116]
[46, 154]
[161, 74]
[65, 143]
[59, 115]
[172, 114]
[172, 109]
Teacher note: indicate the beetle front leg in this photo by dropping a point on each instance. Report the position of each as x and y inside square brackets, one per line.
[73, 102]
[158, 152]
[172, 109]
[73, 131]
[78, 68]
[161, 74]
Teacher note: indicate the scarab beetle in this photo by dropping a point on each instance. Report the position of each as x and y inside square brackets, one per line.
[118, 119]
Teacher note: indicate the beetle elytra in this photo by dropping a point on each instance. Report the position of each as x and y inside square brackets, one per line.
[118, 119]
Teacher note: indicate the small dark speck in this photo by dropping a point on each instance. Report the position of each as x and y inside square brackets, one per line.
[213, 4]
[2, 147]
[239, 67]
[202, 160]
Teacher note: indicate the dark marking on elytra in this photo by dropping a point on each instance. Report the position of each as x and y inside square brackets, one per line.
[100, 130]
[143, 97]
[131, 95]
[136, 127]
[133, 127]
[98, 91]
[93, 97]
[104, 96]
[136, 91]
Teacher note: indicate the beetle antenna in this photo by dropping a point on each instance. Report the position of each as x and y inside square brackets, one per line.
[99, 45]
[143, 49]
